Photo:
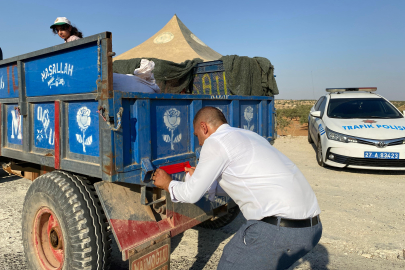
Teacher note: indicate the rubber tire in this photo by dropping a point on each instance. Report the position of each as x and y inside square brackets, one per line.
[309, 136]
[86, 233]
[319, 157]
[221, 221]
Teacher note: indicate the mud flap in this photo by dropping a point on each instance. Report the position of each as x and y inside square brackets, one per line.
[155, 257]
[136, 227]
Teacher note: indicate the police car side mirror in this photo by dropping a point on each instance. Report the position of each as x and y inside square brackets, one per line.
[316, 114]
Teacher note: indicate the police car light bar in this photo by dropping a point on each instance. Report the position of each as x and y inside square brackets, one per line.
[366, 89]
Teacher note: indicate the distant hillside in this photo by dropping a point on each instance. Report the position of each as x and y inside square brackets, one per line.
[289, 103]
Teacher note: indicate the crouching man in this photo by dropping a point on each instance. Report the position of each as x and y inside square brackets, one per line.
[280, 206]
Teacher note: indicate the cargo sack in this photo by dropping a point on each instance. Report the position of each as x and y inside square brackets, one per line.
[171, 77]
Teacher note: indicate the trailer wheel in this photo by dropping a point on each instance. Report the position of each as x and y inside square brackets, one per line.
[221, 221]
[64, 226]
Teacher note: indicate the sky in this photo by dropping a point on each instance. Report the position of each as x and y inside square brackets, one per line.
[313, 45]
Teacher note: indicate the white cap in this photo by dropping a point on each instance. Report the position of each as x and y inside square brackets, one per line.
[60, 21]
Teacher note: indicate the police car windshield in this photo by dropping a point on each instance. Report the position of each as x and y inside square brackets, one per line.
[361, 108]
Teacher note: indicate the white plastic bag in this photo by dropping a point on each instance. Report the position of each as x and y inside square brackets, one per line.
[145, 71]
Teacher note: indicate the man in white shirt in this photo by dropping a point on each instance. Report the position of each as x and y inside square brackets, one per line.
[280, 206]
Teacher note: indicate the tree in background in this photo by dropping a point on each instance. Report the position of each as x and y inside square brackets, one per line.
[299, 112]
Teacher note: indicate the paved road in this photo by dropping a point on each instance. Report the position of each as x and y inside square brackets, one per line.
[362, 213]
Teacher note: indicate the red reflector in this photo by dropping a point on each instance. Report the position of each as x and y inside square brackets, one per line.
[175, 168]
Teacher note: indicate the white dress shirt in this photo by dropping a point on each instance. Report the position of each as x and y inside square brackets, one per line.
[260, 179]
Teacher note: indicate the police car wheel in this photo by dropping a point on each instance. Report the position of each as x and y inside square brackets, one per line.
[64, 226]
[319, 157]
[309, 136]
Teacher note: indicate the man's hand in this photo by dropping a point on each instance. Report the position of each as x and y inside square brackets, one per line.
[162, 179]
[189, 170]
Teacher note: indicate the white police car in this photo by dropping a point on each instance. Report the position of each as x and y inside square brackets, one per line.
[357, 128]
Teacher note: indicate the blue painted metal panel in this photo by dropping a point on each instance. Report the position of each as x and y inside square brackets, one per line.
[67, 72]
[234, 121]
[136, 132]
[271, 132]
[191, 97]
[195, 106]
[222, 105]
[129, 134]
[84, 134]
[249, 112]
[44, 125]
[170, 122]
[9, 81]
[145, 129]
[263, 118]
[14, 125]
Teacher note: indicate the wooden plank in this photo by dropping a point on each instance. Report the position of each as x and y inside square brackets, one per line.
[31, 175]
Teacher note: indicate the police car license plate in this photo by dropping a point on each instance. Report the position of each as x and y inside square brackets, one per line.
[381, 155]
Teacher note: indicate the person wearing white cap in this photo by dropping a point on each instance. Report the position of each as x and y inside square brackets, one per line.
[65, 30]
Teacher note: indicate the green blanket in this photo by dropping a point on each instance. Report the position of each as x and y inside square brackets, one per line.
[170, 77]
[249, 76]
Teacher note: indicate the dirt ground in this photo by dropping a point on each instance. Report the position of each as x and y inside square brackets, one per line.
[363, 216]
[294, 129]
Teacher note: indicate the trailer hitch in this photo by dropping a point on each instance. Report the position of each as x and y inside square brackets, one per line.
[144, 201]
[146, 175]
[7, 168]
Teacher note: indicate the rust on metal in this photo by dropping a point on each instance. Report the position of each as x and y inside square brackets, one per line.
[108, 167]
[130, 252]
[48, 240]
[15, 86]
[154, 257]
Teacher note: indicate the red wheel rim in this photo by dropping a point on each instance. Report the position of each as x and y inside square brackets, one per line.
[48, 240]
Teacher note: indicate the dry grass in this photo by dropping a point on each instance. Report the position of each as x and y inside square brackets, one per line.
[289, 103]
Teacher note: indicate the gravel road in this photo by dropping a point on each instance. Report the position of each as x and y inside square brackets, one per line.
[363, 216]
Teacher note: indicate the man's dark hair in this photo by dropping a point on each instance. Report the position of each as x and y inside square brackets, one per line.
[1, 55]
[210, 115]
[73, 32]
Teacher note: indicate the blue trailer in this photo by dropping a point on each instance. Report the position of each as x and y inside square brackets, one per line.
[95, 149]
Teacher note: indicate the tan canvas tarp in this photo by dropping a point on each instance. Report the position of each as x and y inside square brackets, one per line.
[174, 42]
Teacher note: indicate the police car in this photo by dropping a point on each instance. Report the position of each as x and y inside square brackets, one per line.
[357, 128]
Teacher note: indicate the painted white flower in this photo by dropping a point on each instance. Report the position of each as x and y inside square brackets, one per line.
[46, 121]
[83, 118]
[248, 114]
[172, 118]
